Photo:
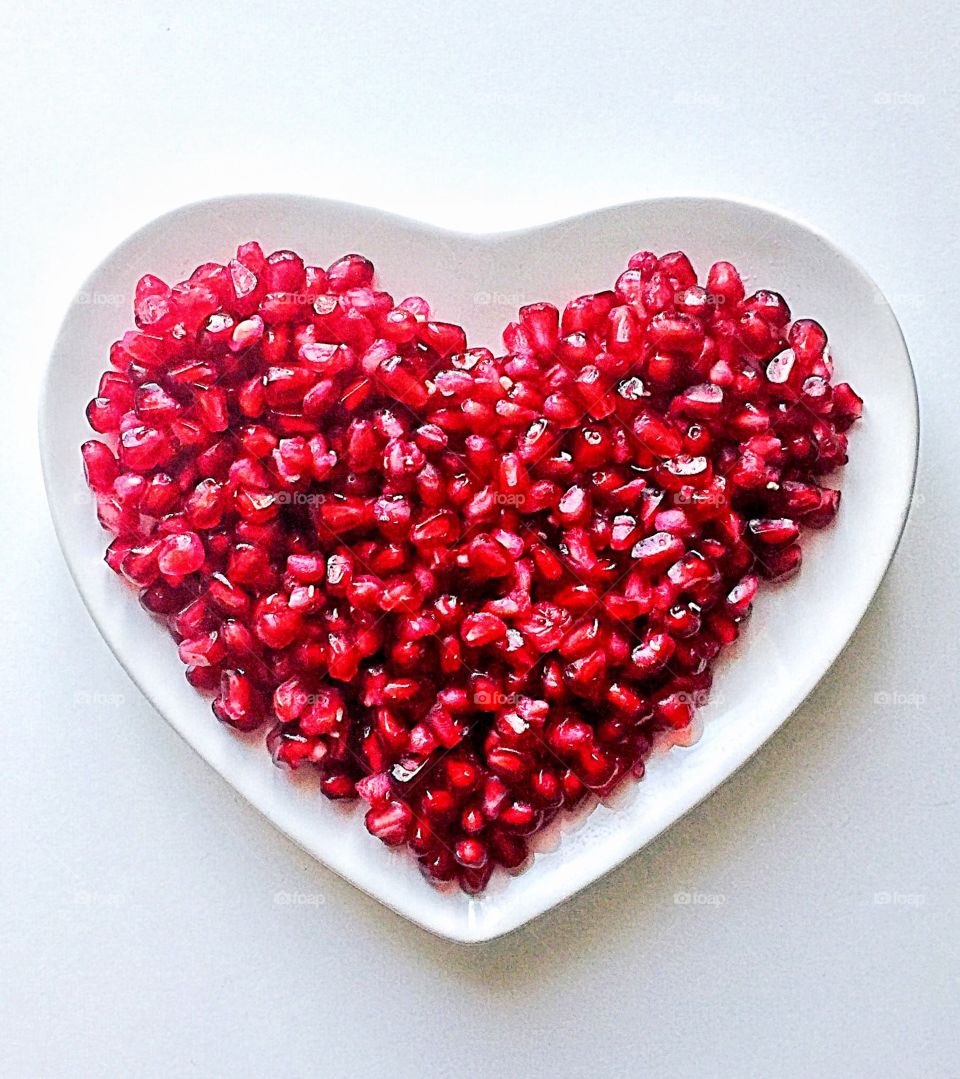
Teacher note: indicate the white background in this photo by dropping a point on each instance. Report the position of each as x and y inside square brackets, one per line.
[140, 928]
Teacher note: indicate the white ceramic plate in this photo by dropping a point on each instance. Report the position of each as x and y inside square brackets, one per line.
[797, 629]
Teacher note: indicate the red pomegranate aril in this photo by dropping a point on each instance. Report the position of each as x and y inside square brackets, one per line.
[324, 713]
[595, 768]
[377, 788]
[510, 765]
[204, 679]
[152, 307]
[205, 651]
[351, 271]
[847, 406]
[474, 880]
[677, 266]
[741, 596]
[307, 568]
[472, 821]
[519, 817]
[481, 629]
[723, 281]
[826, 509]
[771, 305]
[655, 435]
[675, 333]
[245, 333]
[100, 466]
[161, 599]
[542, 323]
[238, 703]
[808, 339]
[336, 784]
[471, 853]
[154, 405]
[204, 506]
[180, 555]
[702, 401]
[277, 627]
[390, 822]
[774, 532]
[438, 865]
[675, 710]
[758, 335]
[139, 565]
[780, 368]
[658, 293]
[463, 776]
[283, 272]
[652, 654]
[231, 600]
[444, 338]
[144, 448]
[438, 805]
[656, 552]
[506, 849]
[159, 495]
[570, 736]
[105, 414]
[782, 563]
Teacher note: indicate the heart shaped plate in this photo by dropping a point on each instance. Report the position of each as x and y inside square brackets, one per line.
[797, 629]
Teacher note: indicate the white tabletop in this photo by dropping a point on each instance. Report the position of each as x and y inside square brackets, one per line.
[804, 919]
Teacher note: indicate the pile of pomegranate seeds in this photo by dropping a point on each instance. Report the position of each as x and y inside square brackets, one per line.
[467, 588]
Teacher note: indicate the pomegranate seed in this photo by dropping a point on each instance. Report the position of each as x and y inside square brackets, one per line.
[478, 630]
[144, 448]
[774, 532]
[741, 596]
[100, 466]
[471, 853]
[657, 551]
[847, 406]
[474, 880]
[377, 789]
[239, 704]
[351, 271]
[783, 563]
[675, 333]
[771, 305]
[723, 281]
[390, 822]
[675, 710]
[180, 554]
